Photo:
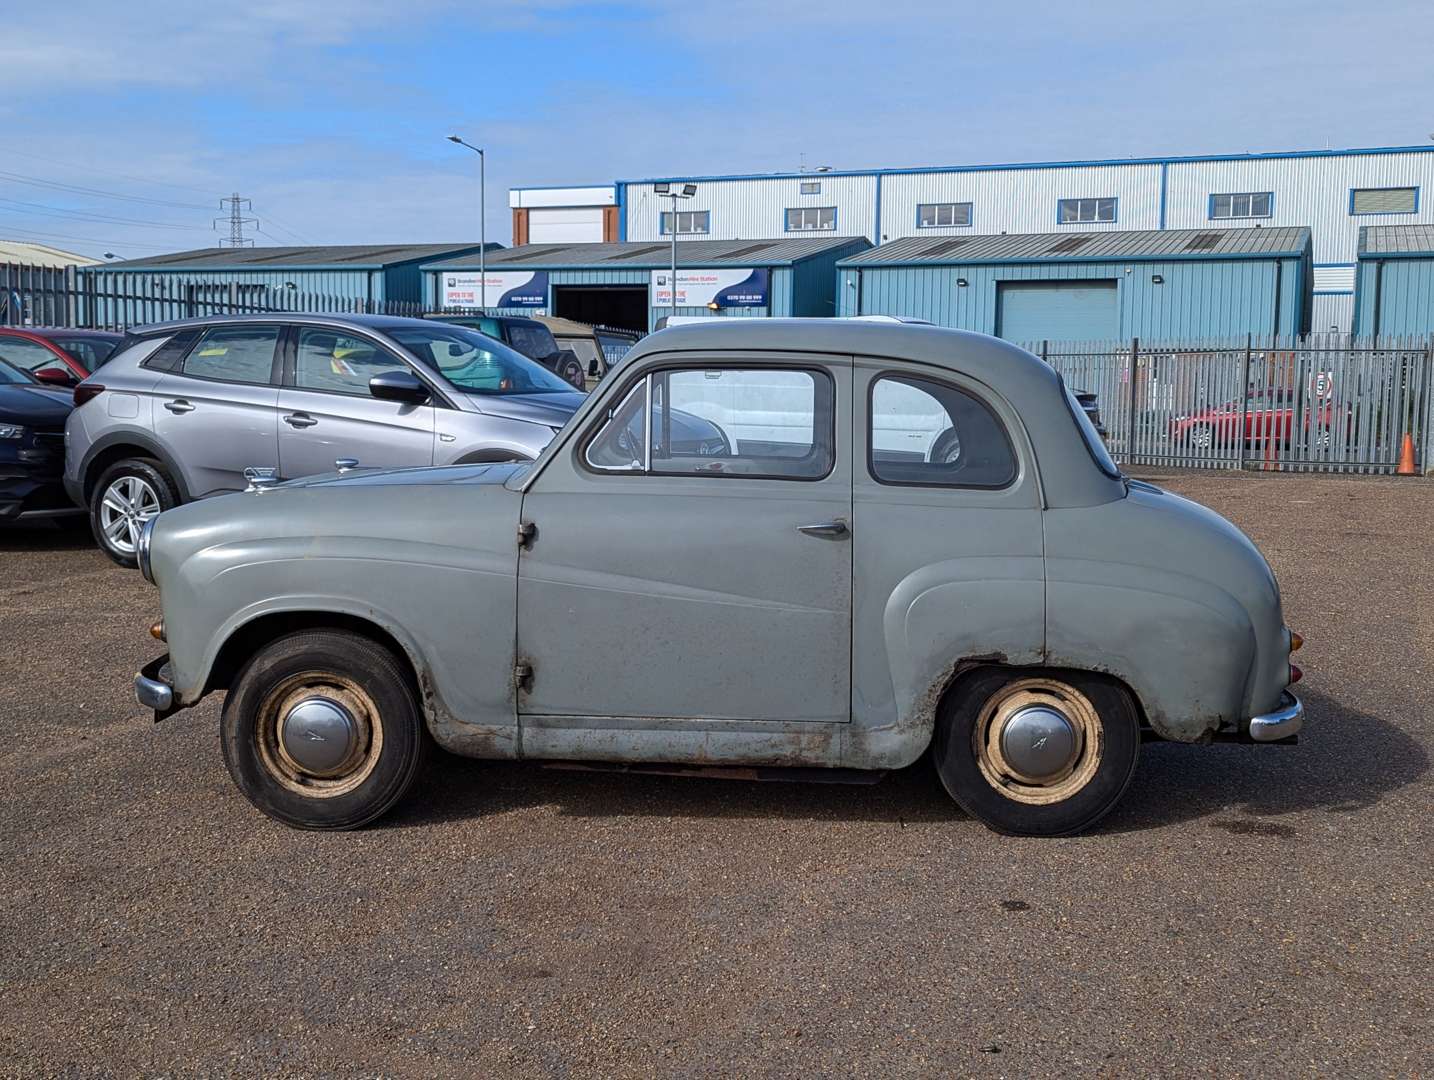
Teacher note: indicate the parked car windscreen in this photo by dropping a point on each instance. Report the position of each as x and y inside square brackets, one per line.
[475, 363]
[89, 351]
[13, 376]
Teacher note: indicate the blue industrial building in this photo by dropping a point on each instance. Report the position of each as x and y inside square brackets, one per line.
[1394, 282]
[186, 283]
[1175, 284]
[626, 285]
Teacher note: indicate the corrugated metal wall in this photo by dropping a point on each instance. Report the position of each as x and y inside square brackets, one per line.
[1307, 190]
[756, 209]
[1396, 296]
[1197, 299]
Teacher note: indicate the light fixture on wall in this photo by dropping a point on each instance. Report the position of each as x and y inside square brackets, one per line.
[961, 283]
[1156, 279]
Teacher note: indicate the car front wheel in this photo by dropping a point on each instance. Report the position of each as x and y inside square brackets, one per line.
[1037, 754]
[322, 730]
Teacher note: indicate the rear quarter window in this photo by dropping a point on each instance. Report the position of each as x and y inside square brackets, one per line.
[926, 433]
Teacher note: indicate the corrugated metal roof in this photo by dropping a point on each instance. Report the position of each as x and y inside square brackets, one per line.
[1088, 247]
[654, 255]
[22, 251]
[1396, 240]
[355, 255]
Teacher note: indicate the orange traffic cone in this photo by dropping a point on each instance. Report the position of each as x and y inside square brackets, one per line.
[1406, 457]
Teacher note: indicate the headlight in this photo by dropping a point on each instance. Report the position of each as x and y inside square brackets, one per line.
[141, 548]
[11, 431]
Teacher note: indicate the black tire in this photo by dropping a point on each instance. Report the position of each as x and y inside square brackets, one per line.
[1097, 779]
[942, 448]
[336, 665]
[144, 471]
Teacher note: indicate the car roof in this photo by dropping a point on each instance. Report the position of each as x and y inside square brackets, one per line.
[365, 322]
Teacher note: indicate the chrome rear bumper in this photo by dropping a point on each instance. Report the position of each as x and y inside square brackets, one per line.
[1283, 723]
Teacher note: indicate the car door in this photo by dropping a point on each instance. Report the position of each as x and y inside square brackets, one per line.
[215, 412]
[674, 577]
[31, 356]
[326, 412]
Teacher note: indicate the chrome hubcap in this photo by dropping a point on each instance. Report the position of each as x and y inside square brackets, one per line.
[320, 736]
[124, 508]
[1039, 743]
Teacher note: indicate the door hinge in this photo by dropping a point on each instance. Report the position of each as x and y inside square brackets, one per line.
[523, 675]
[527, 533]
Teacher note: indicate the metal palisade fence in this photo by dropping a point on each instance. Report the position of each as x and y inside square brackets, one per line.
[50, 296]
[1323, 403]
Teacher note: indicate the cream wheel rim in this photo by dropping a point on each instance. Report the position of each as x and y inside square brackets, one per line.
[1038, 741]
[319, 734]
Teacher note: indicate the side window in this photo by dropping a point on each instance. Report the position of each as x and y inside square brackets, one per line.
[339, 363]
[534, 342]
[925, 432]
[742, 422]
[28, 355]
[242, 354]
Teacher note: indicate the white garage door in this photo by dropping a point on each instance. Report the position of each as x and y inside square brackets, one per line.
[565, 225]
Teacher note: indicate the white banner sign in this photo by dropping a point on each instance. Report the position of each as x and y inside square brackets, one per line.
[699, 288]
[505, 289]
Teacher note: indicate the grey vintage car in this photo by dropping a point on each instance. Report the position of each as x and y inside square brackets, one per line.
[829, 585]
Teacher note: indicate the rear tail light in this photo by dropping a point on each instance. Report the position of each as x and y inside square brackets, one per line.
[87, 390]
[1295, 674]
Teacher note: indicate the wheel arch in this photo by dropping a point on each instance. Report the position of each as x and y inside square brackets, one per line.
[120, 445]
[246, 639]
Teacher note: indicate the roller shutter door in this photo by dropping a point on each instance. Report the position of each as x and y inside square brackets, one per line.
[1029, 311]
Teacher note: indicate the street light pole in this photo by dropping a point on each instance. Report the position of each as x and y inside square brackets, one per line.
[482, 221]
[686, 192]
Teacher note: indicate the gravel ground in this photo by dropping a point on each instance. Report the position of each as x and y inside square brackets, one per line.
[1245, 911]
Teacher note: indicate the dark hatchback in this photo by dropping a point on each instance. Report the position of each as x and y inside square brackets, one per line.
[32, 448]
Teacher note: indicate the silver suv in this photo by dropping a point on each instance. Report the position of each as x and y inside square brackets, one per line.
[184, 408]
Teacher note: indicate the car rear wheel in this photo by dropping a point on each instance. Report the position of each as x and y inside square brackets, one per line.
[322, 730]
[1037, 754]
[1201, 436]
[128, 494]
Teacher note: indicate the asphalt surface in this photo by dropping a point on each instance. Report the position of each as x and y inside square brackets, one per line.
[1245, 911]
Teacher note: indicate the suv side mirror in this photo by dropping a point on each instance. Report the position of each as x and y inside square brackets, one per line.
[54, 376]
[402, 386]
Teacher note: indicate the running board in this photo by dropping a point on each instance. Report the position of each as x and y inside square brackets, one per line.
[765, 773]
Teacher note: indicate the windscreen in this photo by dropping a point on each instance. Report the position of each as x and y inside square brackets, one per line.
[475, 363]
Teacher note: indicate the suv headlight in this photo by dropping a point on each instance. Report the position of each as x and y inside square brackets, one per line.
[11, 431]
[141, 548]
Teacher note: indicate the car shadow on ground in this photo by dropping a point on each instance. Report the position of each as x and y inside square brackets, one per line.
[46, 536]
[1348, 761]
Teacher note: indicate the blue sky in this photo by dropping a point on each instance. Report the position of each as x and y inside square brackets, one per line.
[331, 115]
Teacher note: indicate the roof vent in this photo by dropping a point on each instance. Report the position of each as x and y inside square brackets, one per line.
[745, 251]
[1204, 241]
[944, 246]
[637, 252]
[541, 252]
[1069, 244]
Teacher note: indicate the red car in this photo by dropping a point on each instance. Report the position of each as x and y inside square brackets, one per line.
[55, 355]
[1269, 415]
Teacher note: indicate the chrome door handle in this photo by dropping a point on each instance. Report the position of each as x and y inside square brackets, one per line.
[178, 405]
[298, 419]
[831, 530]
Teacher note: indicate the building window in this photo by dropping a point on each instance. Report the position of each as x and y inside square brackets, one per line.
[811, 218]
[688, 221]
[1074, 211]
[1248, 205]
[1388, 200]
[811, 187]
[940, 215]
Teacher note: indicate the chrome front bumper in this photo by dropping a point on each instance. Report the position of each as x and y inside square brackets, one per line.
[1283, 723]
[152, 689]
